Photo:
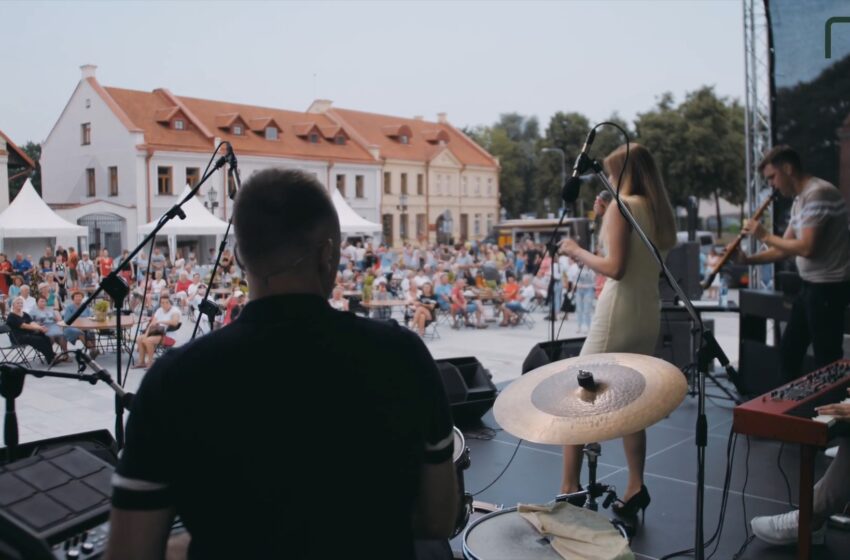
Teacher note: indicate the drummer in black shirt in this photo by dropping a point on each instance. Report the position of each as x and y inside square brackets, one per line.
[297, 431]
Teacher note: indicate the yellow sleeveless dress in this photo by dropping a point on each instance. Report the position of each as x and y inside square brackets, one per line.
[628, 313]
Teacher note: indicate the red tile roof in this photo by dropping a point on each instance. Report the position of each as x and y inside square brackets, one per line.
[206, 119]
[14, 149]
[424, 136]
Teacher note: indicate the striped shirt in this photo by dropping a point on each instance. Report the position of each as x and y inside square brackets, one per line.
[820, 205]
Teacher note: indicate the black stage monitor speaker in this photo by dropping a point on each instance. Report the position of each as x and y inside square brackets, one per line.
[469, 388]
[547, 352]
[683, 262]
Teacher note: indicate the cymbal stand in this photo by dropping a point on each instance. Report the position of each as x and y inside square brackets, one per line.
[594, 489]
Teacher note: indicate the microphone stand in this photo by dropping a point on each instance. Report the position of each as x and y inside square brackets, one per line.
[206, 307]
[117, 289]
[12, 384]
[709, 350]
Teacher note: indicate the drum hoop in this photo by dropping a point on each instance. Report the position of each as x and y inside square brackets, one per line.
[469, 555]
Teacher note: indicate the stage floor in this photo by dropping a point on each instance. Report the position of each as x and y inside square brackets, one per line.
[535, 473]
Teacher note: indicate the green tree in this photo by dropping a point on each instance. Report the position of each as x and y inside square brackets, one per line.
[513, 140]
[698, 145]
[32, 150]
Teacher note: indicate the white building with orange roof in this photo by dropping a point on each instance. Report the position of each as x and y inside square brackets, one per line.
[437, 184]
[117, 159]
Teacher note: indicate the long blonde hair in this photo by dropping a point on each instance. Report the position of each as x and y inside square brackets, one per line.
[641, 178]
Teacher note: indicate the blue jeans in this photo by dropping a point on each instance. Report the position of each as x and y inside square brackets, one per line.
[558, 295]
[585, 297]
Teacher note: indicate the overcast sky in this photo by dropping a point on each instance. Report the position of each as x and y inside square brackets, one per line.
[472, 60]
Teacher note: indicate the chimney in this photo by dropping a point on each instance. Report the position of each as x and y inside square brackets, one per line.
[418, 118]
[320, 106]
[88, 70]
[442, 118]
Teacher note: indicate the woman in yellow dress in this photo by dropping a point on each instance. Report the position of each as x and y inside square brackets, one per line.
[628, 313]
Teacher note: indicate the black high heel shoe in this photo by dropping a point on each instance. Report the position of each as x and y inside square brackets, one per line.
[630, 508]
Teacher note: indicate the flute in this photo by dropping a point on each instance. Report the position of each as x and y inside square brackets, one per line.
[732, 247]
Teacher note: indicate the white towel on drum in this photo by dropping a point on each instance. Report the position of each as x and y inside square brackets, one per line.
[577, 533]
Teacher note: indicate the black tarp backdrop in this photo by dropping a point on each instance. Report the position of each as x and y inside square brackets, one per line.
[811, 93]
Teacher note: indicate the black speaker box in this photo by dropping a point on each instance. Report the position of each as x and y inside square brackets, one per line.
[683, 262]
[547, 352]
[469, 388]
[675, 341]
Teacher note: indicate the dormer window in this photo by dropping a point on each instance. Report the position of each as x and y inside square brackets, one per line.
[179, 124]
[237, 129]
[271, 133]
[340, 140]
[404, 139]
[314, 138]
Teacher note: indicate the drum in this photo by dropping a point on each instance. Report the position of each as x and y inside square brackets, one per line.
[461, 462]
[504, 535]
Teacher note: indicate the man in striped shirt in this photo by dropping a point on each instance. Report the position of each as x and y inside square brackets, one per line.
[818, 238]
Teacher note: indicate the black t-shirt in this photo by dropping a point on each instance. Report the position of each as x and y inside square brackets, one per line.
[297, 431]
[15, 323]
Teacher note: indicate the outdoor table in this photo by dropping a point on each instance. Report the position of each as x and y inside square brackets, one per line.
[90, 324]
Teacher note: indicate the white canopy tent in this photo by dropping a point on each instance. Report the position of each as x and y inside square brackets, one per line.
[29, 217]
[350, 222]
[199, 222]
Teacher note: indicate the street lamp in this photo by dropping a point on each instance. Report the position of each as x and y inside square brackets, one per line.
[212, 200]
[563, 165]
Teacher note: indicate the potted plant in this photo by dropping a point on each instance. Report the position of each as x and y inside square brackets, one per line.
[101, 307]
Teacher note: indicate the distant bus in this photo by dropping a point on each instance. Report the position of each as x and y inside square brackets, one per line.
[511, 233]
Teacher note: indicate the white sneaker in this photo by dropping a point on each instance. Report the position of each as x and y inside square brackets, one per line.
[831, 452]
[782, 529]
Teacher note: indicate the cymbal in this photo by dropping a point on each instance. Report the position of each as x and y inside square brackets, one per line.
[631, 392]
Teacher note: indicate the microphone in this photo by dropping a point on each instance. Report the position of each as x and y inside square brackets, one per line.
[83, 359]
[236, 183]
[571, 189]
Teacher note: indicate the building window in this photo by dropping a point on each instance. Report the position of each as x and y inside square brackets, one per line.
[358, 186]
[85, 134]
[402, 227]
[449, 185]
[387, 223]
[179, 124]
[340, 140]
[163, 181]
[404, 139]
[404, 183]
[314, 138]
[489, 223]
[421, 232]
[420, 184]
[478, 186]
[113, 181]
[388, 185]
[489, 186]
[439, 184]
[237, 130]
[271, 133]
[90, 186]
[340, 184]
[464, 190]
[193, 175]
[476, 227]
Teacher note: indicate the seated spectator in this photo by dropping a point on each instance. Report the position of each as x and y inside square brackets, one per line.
[443, 292]
[45, 263]
[423, 277]
[511, 306]
[27, 332]
[164, 319]
[15, 288]
[181, 290]
[49, 318]
[380, 293]
[73, 334]
[337, 301]
[240, 305]
[411, 299]
[158, 284]
[104, 264]
[23, 267]
[238, 298]
[29, 302]
[460, 306]
[5, 275]
[423, 314]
